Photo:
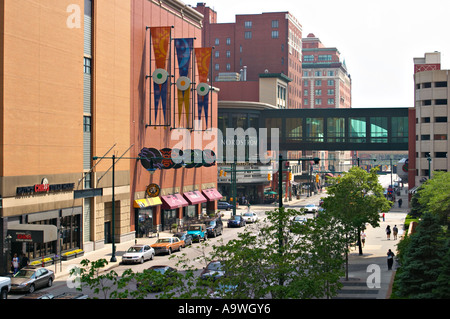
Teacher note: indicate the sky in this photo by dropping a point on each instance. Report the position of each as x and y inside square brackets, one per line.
[378, 39]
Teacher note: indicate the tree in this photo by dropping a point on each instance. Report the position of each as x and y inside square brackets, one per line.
[355, 199]
[434, 196]
[442, 289]
[421, 260]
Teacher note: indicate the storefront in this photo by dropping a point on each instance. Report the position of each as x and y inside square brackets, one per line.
[145, 210]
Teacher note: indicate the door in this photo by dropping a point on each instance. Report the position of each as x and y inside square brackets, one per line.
[107, 232]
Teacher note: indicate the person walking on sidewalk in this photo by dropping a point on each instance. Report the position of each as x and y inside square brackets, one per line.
[400, 201]
[390, 259]
[363, 238]
[395, 232]
[388, 232]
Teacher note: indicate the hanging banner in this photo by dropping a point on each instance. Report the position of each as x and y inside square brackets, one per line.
[203, 57]
[183, 48]
[161, 40]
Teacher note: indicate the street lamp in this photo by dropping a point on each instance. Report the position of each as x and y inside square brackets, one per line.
[429, 166]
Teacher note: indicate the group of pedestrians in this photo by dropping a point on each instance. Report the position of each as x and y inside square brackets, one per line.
[17, 264]
[394, 231]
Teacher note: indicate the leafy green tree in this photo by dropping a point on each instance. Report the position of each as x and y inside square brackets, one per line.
[434, 196]
[356, 199]
[421, 260]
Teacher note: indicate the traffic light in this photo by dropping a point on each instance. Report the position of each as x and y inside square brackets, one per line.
[269, 177]
[221, 172]
[290, 176]
[317, 178]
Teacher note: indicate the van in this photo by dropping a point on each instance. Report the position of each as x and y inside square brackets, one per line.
[214, 226]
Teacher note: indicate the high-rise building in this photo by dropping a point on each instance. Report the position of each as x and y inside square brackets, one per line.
[255, 44]
[428, 145]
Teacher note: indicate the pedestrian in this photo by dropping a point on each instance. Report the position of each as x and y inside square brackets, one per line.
[388, 232]
[383, 216]
[363, 238]
[395, 232]
[24, 261]
[15, 264]
[390, 259]
[400, 201]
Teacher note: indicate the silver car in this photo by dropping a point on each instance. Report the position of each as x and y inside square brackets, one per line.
[138, 254]
[29, 279]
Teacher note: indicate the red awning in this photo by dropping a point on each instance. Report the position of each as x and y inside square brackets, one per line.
[173, 201]
[195, 197]
[212, 194]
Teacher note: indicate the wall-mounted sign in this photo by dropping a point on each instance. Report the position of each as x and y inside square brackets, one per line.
[152, 190]
[45, 187]
[167, 158]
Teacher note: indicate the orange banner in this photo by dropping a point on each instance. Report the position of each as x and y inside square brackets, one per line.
[203, 56]
[161, 40]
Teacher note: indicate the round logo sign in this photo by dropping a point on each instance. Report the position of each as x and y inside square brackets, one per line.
[160, 76]
[152, 190]
[202, 89]
[183, 83]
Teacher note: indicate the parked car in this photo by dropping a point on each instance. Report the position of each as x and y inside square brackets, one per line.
[38, 295]
[297, 220]
[213, 271]
[167, 245]
[214, 226]
[5, 287]
[29, 279]
[198, 232]
[224, 205]
[184, 236]
[71, 295]
[311, 208]
[250, 217]
[138, 254]
[236, 221]
[161, 276]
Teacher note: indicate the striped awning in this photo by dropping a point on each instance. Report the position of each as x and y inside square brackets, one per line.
[147, 202]
[413, 190]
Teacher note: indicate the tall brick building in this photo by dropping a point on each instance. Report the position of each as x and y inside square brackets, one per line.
[256, 44]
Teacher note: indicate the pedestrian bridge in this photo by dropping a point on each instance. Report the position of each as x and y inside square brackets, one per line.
[356, 129]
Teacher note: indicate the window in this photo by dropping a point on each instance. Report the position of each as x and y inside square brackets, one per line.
[87, 124]
[308, 58]
[317, 73]
[274, 24]
[305, 82]
[305, 102]
[425, 120]
[216, 54]
[324, 57]
[318, 82]
[440, 119]
[330, 92]
[305, 92]
[248, 34]
[440, 137]
[426, 102]
[275, 34]
[330, 73]
[330, 101]
[217, 66]
[440, 154]
[228, 54]
[318, 101]
[425, 137]
[248, 24]
[228, 67]
[217, 42]
[87, 66]
[318, 92]
[228, 41]
[330, 82]
[441, 102]
[426, 85]
[440, 84]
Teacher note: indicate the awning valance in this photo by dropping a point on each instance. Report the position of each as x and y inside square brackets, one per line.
[32, 233]
[195, 197]
[173, 201]
[413, 190]
[147, 202]
[212, 194]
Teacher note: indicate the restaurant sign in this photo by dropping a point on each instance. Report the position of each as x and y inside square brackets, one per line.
[44, 187]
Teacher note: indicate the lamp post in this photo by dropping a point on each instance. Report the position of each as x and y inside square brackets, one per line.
[429, 166]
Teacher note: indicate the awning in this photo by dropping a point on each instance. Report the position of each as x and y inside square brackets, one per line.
[147, 202]
[329, 174]
[173, 201]
[31, 233]
[195, 197]
[413, 190]
[212, 194]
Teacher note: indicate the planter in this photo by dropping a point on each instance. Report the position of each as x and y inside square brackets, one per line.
[80, 254]
[68, 257]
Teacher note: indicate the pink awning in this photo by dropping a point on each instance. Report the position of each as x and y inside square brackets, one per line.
[173, 201]
[212, 194]
[195, 197]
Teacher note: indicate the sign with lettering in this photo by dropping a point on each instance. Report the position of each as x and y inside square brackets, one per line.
[44, 187]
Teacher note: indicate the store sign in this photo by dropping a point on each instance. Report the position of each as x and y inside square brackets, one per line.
[26, 236]
[44, 187]
[152, 190]
[167, 158]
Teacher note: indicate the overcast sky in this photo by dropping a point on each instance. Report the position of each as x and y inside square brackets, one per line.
[377, 39]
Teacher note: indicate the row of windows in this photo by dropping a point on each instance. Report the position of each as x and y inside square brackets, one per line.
[318, 83]
[436, 154]
[249, 24]
[319, 102]
[248, 35]
[319, 73]
[427, 85]
[427, 137]
[319, 92]
[436, 102]
[438, 119]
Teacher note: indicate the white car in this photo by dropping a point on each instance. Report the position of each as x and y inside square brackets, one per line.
[5, 287]
[138, 254]
[250, 217]
[312, 208]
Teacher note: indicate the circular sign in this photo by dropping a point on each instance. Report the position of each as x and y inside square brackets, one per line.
[183, 83]
[151, 158]
[160, 76]
[202, 89]
[167, 161]
[209, 158]
[177, 158]
[152, 190]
